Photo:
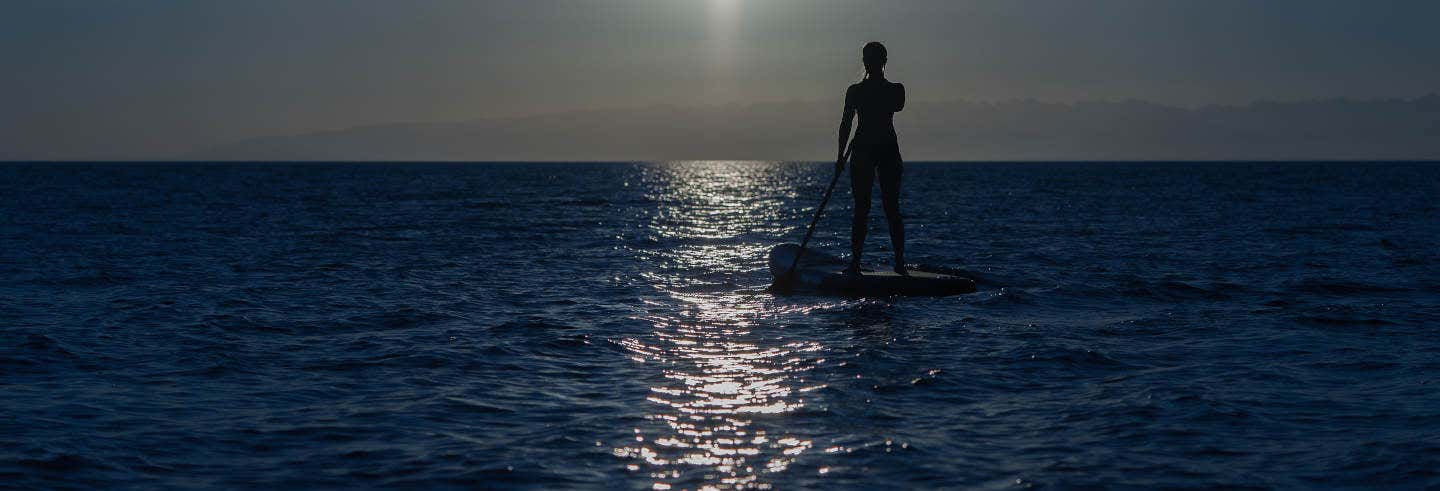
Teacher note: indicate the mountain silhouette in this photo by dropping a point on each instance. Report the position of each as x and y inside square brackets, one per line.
[958, 130]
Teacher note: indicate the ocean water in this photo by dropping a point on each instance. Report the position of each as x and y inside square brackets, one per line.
[550, 326]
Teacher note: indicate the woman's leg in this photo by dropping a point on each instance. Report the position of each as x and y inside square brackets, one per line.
[862, 179]
[889, 168]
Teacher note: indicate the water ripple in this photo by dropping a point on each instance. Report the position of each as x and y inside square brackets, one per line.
[550, 326]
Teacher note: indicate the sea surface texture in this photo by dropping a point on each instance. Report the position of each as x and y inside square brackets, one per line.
[551, 326]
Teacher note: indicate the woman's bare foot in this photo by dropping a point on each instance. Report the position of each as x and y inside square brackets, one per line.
[853, 268]
[901, 270]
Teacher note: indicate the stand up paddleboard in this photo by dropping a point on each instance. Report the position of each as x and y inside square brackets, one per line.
[825, 273]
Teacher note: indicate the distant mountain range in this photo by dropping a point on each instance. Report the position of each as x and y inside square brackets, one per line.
[961, 130]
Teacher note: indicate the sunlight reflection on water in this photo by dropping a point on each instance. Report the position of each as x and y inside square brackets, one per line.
[726, 390]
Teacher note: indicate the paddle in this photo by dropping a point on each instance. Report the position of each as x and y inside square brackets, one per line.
[784, 282]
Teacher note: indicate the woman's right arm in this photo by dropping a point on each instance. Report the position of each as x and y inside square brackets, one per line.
[845, 129]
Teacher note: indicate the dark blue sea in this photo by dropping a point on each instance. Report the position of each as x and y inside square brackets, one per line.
[551, 326]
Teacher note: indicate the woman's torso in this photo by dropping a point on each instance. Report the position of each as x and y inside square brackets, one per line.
[876, 101]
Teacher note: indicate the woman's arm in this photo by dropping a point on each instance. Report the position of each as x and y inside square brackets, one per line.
[845, 129]
[900, 94]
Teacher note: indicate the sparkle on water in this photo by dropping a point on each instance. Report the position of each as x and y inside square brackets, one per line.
[333, 326]
[724, 399]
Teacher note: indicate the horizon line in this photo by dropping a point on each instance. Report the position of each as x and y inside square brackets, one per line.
[741, 161]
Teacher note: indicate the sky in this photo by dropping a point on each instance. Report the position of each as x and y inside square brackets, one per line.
[148, 78]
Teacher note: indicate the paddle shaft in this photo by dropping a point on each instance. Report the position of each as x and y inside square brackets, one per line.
[818, 211]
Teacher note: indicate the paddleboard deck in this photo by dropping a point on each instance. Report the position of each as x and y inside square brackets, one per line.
[824, 273]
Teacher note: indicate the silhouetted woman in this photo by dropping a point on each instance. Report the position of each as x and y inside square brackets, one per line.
[875, 151]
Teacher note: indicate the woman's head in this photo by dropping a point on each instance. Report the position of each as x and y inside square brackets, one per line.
[874, 57]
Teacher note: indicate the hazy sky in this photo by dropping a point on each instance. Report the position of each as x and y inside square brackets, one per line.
[122, 78]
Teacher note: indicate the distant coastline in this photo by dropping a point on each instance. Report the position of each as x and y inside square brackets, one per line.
[1012, 130]
[1338, 129]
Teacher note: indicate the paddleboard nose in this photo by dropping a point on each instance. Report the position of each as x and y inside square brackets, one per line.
[781, 257]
